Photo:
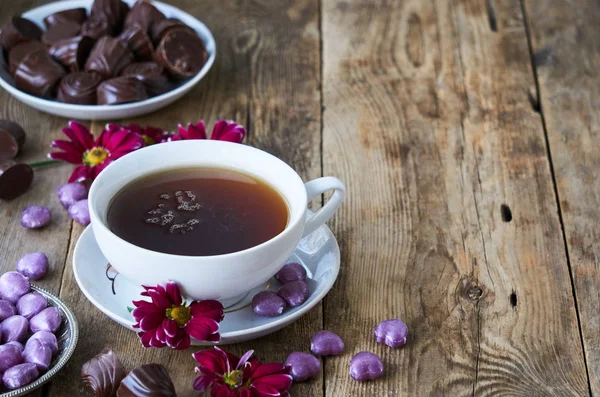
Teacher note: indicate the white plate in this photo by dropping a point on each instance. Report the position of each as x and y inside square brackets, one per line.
[112, 112]
[318, 253]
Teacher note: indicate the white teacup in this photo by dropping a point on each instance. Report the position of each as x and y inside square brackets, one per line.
[222, 277]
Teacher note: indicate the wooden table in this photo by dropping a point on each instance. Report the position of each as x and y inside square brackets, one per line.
[467, 132]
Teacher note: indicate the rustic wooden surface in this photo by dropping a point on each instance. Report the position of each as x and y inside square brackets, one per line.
[465, 132]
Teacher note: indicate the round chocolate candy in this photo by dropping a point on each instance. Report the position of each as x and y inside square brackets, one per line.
[95, 28]
[151, 74]
[108, 57]
[144, 15]
[20, 51]
[56, 33]
[121, 90]
[182, 53]
[38, 75]
[79, 88]
[138, 42]
[114, 11]
[159, 29]
[12, 139]
[72, 53]
[76, 15]
[15, 179]
[18, 30]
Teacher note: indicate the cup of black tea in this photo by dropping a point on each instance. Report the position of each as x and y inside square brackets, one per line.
[218, 218]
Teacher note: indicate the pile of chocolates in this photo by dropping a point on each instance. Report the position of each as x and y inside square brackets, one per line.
[115, 55]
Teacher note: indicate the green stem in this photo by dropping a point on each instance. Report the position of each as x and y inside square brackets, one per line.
[44, 163]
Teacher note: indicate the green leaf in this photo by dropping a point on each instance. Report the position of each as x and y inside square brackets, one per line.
[130, 309]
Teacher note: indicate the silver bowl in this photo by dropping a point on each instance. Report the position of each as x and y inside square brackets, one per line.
[67, 337]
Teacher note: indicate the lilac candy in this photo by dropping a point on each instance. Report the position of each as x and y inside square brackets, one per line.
[20, 375]
[33, 265]
[14, 328]
[267, 304]
[80, 212]
[10, 355]
[48, 338]
[38, 353]
[35, 217]
[31, 304]
[326, 343]
[16, 344]
[291, 272]
[13, 285]
[294, 293]
[70, 193]
[304, 366]
[47, 320]
[392, 333]
[365, 366]
[7, 310]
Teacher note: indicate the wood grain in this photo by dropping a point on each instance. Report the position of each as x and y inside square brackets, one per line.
[566, 56]
[428, 119]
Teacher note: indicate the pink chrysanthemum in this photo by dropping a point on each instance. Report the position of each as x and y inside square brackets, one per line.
[223, 130]
[150, 135]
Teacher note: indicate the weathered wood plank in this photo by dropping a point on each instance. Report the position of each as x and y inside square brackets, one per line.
[566, 56]
[427, 118]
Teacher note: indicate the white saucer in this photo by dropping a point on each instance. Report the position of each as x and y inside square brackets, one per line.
[319, 253]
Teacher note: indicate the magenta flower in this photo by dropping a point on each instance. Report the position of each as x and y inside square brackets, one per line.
[229, 376]
[223, 130]
[167, 321]
[150, 135]
[93, 156]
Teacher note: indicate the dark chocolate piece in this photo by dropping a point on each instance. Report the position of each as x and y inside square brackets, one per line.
[113, 11]
[137, 40]
[144, 15]
[159, 29]
[108, 57]
[15, 179]
[38, 75]
[182, 53]
[103, 374]
[72, 53]
[20, 51]
[121, 90]
[151, 74]
[95, 28]
[18, 30]
[150, 380]
[12, 139]
[62, 31]
[76, 15]
[79, 88]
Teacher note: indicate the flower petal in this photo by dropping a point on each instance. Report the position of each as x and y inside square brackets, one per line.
[151, 322]
[161, 300]
[201, 328]
[145, 338]
[266, 390]
[66, 156]
[173, 292]
[268, 369]
[73, 138]
[244, 359]
[207, 308]
[184, 343]
[80, 173]
[82, 134]
[227, 130]
[278, 381]
[203, 382]
[170, 327]
[114, 140]
[68, 147]
[214, 360]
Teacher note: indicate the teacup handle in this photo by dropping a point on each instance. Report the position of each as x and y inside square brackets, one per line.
[315, 188]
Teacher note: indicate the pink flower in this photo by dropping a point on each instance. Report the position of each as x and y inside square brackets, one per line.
[167, 321]
[150, 135]
[229, 376]
[223, 130]
[93, 156]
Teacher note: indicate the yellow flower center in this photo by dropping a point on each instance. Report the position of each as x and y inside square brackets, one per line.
[234, 378]
[181, 315]
[147, 140]
[95, 156]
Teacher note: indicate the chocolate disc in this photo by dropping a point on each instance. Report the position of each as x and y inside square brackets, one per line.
[38, 75]
[12, 139]
[79, 88]
[60, 32]
[73, 52]
[112, 10]
[76, 15]
[182, 53]
[108, 57]
[159, 29]
[121, 90]
[144, 15]
[20, 51]
[151, 74]
[15, 179]
[18, 30]
[137, 40]
[95, 28]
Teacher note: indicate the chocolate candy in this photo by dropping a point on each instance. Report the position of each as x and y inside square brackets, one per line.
[114, 11]
[151, 74]
[182, 53]
[95, 28]
[60, 32]
[150, 380]
[15, 179]
[79, 88]
[144, 15]
[18, 30]
[138, 42]
[38, 75]
[20, 51]
[159, 29]
[12, 139]
[103, 374]
[72, 52]
[121, 90]
[76, 15]
[108, 57]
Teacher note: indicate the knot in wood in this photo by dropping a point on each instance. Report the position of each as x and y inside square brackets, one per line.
[474, 293]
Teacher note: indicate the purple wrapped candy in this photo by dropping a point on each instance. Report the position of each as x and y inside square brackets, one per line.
[31, 304]
[294, 293]
[48, 338]
[10, 355]
[35, 217]
[365, 366]
[392, 333]
[70, 193]
[47, 320]
[16, 344]
[33, 265]
[38, 353]
[80, 212]
[304, 366]
[7, 309]
[267, 304]
[13, 285]
[291, 272]
[20, 375]
[326, 343]
[14, 328]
